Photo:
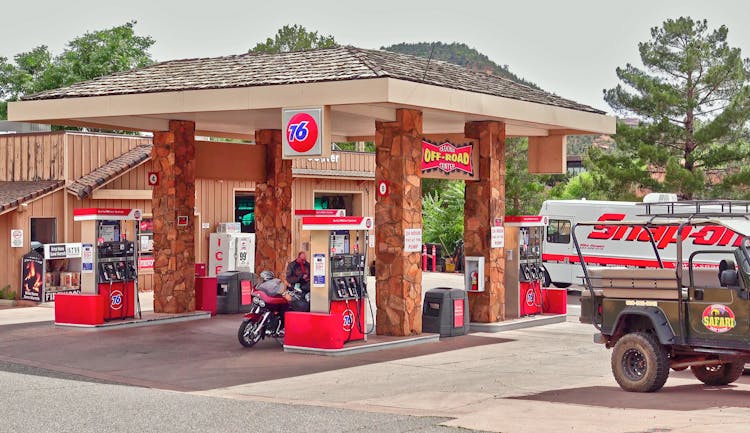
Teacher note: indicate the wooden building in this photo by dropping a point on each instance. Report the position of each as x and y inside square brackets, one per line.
[45, 176]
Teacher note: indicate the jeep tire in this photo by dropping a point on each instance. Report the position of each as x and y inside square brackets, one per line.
[640, 363]
[717, 375]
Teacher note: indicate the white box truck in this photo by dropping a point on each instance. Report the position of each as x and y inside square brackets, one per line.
[626, 246]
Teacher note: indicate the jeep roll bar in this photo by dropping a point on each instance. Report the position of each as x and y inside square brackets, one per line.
[661, 220]
[587, 276]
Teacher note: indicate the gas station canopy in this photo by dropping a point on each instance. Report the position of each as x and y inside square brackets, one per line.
[235, 95]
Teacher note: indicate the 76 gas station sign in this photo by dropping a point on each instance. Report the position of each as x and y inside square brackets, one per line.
[305, 132]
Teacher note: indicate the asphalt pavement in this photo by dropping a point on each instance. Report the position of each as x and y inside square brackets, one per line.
[49, 405]
[546, 379]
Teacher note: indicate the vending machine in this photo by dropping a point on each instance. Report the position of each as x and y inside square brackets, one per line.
[523, 265]
[109, 258]
[231, 251]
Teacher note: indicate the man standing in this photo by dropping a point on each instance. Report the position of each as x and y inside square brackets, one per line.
[298, 272]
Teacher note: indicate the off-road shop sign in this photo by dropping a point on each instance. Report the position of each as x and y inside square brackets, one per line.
[446, 160]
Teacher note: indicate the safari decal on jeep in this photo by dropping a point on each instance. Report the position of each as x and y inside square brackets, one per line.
[718, 318]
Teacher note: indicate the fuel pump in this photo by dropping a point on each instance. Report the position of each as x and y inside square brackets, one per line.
[523, 265]
[109, 266]
[338, 248]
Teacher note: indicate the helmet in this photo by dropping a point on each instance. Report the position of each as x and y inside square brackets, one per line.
[267, 275]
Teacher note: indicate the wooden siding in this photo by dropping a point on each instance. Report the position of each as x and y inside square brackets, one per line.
[36, 156]
[50, 205]
[86, 152]
[135, 179]
[347, 161]
[215, 203]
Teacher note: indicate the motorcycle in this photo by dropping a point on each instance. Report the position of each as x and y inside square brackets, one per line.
[266, 317]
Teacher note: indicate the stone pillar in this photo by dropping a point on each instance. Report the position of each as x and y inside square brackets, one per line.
[173, 157]
[273, 207]
[485, 201]
[398, 274]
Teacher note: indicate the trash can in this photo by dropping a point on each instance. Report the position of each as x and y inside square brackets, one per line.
[234, 292]
[446, 312]
[205, 294]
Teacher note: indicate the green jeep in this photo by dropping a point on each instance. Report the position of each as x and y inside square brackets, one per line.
[693, 312]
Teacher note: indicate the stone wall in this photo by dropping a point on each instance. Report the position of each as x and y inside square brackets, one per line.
[173, 158]
[485, 201]
[273, 207]
[399, 275]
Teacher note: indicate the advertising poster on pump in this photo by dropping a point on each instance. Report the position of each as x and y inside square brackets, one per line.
[319, 270]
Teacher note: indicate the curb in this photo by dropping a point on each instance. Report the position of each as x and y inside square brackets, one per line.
[515, 324]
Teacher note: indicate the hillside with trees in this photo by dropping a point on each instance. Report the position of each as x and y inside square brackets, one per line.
[459, 54]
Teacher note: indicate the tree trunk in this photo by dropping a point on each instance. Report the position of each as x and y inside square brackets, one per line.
[689, 164]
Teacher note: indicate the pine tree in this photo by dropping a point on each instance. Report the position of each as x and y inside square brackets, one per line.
[693, 102]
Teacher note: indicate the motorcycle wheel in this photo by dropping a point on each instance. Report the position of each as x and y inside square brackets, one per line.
[249, 334]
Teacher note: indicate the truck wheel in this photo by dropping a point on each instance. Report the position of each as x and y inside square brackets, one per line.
[546, 280]
[640, 363]
[716, 375]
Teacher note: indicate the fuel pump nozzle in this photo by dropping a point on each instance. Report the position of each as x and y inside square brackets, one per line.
[352, 287]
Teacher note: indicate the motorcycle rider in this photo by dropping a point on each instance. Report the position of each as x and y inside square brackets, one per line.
[298, 275]
[271, 285]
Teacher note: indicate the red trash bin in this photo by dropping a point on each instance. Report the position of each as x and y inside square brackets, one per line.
[205, 294]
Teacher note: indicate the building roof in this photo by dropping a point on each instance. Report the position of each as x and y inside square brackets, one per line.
[321, 65]
[84, 186]
[13, 194]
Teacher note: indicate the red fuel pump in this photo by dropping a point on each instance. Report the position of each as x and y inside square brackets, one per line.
[523, 265]
[338, 292]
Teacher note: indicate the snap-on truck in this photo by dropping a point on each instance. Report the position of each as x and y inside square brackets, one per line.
[673, 317]
[608, 245]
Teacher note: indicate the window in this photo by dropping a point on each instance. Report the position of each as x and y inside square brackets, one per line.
[44, 230]
[558, 231]
[335, 201]
[244, 210]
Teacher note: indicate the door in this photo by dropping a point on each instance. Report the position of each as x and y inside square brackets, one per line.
[716, 316]
[559, 255]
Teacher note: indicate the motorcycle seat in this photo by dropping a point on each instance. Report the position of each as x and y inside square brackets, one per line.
[270, 300]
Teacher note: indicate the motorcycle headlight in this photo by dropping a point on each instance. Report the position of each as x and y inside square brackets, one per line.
[259, 302]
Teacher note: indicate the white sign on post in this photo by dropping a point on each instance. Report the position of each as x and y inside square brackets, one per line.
[497, 237]
[412, 240]
[16, 238]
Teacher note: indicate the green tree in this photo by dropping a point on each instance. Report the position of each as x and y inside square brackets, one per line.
[293, 38]
[693, 102]
[443, 215]
[95, 54]
[524, 192]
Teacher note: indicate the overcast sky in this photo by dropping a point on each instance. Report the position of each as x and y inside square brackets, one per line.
[567, 47]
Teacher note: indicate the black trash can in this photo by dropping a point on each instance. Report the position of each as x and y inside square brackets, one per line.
[446, 311]
[233, 292]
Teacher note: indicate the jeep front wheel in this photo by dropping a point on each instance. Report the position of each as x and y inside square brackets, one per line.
[640, 363]
[717, 375]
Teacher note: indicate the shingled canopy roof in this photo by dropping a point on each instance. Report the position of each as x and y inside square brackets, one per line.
[234, 96]
[84, 186]
[331, 64]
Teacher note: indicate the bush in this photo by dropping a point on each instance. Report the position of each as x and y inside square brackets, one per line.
[6, 293]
